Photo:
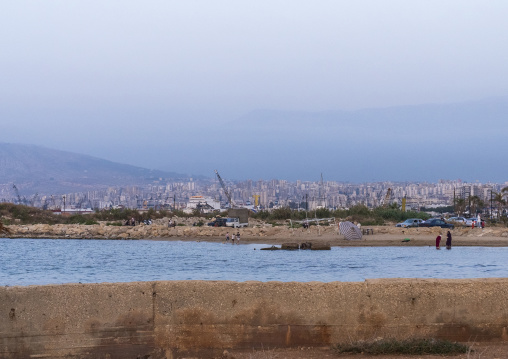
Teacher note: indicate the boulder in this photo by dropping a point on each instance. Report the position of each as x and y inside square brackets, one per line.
[272, 248]
[321, 247]
[306, 245]
[290, 246]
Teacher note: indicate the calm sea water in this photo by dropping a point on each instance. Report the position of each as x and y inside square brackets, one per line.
[48, 261]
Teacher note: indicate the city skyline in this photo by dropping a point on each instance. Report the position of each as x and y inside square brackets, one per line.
[177, 194]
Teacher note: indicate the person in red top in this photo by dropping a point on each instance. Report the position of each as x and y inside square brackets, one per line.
[438, 241]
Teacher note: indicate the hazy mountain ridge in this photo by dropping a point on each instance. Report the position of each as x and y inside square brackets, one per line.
[471, 113]
[39, 169]
[451, 140]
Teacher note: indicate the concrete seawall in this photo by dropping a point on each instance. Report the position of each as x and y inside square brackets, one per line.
[202, 318]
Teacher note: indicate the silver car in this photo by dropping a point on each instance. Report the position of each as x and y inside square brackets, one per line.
[457, 220]
[411, 222]
[470, 221]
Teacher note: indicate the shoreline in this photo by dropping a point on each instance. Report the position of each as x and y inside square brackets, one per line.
[260, 233]
[380, 240]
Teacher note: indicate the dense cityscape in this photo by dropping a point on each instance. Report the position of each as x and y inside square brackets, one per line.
[266, 194]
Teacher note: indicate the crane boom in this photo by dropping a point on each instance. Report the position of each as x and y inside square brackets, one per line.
[226, 192]
[387, 197]
[17, 193]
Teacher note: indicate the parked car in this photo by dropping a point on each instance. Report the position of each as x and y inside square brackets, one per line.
[436, 222]
[411, 222]
[470, 221]
[457, 220]
[235, 223]
[218, 222]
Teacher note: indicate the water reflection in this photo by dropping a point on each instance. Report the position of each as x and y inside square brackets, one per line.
[46, 261]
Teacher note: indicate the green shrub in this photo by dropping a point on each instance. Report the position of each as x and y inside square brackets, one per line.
[407, 347]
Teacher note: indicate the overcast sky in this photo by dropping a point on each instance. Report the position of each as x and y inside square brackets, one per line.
[130, 80]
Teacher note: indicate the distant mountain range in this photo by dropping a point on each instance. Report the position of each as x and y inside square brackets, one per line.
[38, 169]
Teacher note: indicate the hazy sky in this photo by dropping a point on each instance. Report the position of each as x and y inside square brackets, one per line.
[130, 81]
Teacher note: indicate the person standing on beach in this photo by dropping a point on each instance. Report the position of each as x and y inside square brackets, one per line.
[227, 237]
[233, 238]
[238, 237]
[448, 240]
[438, 241]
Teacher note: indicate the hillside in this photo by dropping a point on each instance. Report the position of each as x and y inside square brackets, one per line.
[38, 169]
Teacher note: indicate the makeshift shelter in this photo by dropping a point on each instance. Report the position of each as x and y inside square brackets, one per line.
[349, 230]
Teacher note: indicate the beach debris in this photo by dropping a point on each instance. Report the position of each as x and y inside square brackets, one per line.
[289, 246]
[321, 247]
[272, 248]
[295, 246]
[306, 245]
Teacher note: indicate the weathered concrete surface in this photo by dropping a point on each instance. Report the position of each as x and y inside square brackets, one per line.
[202, 318]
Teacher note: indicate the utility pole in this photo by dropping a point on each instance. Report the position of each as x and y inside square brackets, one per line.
[454, 201]
[491, 204]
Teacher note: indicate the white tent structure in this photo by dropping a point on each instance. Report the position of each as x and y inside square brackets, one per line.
[349, 230]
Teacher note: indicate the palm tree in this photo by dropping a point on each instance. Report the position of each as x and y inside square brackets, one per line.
[476, 203]
[504, 193]
[498, 198]
[460, 205]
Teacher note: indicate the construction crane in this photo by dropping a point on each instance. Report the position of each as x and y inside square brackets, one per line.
[79, 203]
[53, 203]
[226, 192]
[387, 197]
[34, 198]
[17, 193]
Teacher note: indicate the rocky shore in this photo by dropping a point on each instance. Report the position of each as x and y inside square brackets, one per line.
[259, 232]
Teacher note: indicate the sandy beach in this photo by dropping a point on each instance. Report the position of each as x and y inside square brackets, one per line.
[381, 236]
[264, 233]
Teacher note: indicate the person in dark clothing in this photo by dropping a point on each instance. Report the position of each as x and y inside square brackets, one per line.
[438, 241]
[448, 240]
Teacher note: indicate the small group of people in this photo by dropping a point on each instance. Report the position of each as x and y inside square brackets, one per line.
[448, 241]
[480, 223]
[171, 224]
[130, 222]
[233, 237]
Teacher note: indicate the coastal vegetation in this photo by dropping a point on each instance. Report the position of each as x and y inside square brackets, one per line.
[403, 347]
[22, 214]
[358, 213]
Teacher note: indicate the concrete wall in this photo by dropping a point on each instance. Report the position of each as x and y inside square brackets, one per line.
[197, 318]
[241, 213]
